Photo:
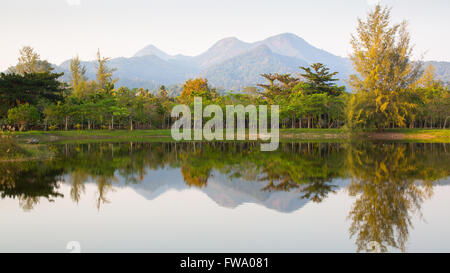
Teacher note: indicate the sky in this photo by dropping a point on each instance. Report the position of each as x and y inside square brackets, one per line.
[62, 29]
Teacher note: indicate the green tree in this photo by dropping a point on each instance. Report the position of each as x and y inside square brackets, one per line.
[23, 115]
[382, 58]
[111, 109]
[53, 116]
[319, 79]
[127, 99]
[18, 89]
[432, 98]
[279, 85]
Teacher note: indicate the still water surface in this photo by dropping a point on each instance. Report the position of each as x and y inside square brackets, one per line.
[229, 197]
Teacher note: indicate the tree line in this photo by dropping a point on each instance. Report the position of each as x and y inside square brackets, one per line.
[389, 90]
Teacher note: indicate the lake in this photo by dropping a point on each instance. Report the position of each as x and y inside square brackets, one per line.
[229, 197]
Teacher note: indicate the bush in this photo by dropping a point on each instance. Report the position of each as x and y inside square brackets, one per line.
[9, 148]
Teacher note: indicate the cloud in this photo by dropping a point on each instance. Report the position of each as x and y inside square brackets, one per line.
[73, 2]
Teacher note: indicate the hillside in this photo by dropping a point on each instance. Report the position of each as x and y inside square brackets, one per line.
[442, 71]
[245, 69]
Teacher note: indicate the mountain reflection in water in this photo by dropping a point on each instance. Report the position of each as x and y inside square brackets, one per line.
[388, 181]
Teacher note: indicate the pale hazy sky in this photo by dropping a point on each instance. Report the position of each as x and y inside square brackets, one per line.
[61, 29]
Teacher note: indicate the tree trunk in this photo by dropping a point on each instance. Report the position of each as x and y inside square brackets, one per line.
[111, 127]
[66, 126]
[131, 124]
[331, 124]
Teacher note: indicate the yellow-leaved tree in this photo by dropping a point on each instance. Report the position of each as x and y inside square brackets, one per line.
[385, 73]
[196, 88]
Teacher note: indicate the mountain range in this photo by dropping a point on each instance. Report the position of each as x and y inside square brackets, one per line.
[230, 64]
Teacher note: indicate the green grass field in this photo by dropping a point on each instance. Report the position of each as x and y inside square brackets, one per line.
[95, 133]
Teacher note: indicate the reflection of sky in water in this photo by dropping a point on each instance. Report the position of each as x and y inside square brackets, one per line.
[163, 214]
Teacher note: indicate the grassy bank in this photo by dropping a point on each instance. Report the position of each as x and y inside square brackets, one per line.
[285, 134]
[11, 150]
[413, 135]
[92, 135]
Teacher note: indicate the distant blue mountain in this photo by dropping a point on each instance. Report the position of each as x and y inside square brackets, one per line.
[229, 64]
[245, 69]
[153, 50]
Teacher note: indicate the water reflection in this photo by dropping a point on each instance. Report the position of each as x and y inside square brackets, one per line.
[29, 181]
[389, 181]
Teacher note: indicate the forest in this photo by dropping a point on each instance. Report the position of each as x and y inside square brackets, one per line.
[388, 90]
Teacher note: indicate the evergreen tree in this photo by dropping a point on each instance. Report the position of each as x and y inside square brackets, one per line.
[16, 89]
[319, 80]
[78, 78]
[104, 73]
[382, 58]
[318, 75]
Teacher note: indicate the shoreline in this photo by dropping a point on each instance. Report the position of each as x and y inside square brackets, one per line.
[421, 135]
[40, 151]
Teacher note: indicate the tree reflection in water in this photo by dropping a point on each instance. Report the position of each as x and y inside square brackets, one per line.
[389, 180]
[29, 181]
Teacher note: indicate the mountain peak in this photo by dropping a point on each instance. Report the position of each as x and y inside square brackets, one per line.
[286, 35]
[152, 50]
[228, 40]
[229, 44]
[291, 45]
[222, 50]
